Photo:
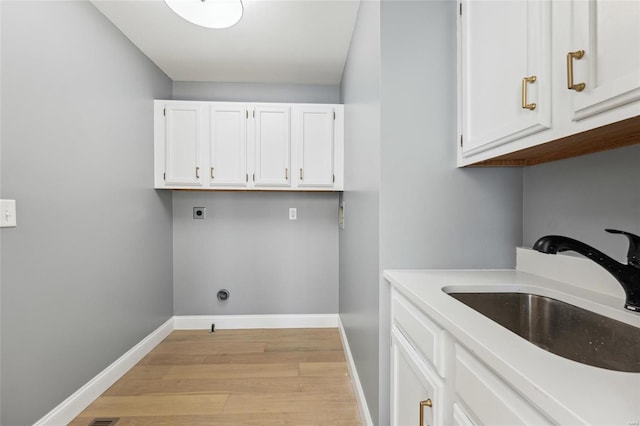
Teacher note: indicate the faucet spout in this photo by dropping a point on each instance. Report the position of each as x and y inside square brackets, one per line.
[627, 275]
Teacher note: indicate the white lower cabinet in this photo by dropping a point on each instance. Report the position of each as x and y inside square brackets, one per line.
[489, 399]
[435, 377]
[416, 388]
[460, 416]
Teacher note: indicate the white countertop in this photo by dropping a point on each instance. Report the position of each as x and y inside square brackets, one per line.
[568, 391]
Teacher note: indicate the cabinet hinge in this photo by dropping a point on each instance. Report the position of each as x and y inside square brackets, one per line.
[461, 141]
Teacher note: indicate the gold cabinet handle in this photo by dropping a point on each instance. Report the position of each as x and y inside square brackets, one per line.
[525, 82]
[197, 172]
[579, 87]
[425, 403]
[301, 175]
[212, 175]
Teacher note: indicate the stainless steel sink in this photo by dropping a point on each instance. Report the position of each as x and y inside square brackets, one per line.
[561, 328]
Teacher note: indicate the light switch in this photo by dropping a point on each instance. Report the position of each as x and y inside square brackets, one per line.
[293, 213]
[7, 213]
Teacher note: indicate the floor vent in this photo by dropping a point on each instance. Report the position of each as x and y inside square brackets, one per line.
[104, 422]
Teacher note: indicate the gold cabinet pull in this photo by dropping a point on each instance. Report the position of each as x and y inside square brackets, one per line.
[286, 174]
[301, 175]
[579, 87]
[525, 82]
[425, 403]
[212, 175]
[197, 172]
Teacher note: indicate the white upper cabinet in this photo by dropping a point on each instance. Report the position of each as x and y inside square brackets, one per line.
[183, 133]
[254, 146]
[272, 135]
[315, 136]
[525, 97]
[228, 145]
[608, 32]
[506, 76]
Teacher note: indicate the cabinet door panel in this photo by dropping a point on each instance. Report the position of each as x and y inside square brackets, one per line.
[501, 43]
[419, 330]
[460, 417]
[411, 383]
[609, 33]
[272, 146]
[228, 145]
[315, 142]
[183, 141]
[490, 399]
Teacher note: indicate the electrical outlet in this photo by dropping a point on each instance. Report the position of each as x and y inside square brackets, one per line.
[293, 213]
[199, 212]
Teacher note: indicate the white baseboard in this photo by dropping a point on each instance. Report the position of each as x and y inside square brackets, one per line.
[365, 416]
[203, 322]
[76, 403]
[83, 397]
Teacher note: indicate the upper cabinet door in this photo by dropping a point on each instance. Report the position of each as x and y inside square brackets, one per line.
[228, 145]
[608, 32]
[505, 72]
[183, 144]
[314, 140]
[272, 137]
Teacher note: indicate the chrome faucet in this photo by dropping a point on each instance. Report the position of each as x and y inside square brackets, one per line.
[627, 275]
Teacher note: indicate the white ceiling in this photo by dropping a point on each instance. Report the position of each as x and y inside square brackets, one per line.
[276, 41]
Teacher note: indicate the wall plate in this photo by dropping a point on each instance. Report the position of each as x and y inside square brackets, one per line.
[199, 212]
[7, 213]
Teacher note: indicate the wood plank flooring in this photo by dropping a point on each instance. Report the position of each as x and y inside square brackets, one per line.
[235, 377]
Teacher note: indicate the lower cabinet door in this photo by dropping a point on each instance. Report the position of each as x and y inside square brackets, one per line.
[415, 388]
[460, 416]
[490, 400]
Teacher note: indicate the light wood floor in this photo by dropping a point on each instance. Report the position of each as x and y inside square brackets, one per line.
[235, 377]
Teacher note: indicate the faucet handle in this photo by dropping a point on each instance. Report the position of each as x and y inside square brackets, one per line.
[633, 255]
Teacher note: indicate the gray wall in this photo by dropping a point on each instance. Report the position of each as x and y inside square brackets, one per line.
[360, 238]
[251, 92]
[248, 245]
[87, 273]
[433, 215]
[581, 196]
[409, 205]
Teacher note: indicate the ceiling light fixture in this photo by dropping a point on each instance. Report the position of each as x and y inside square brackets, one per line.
[208, 13]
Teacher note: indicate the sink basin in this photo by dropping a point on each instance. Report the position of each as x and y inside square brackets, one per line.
[563, 329]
